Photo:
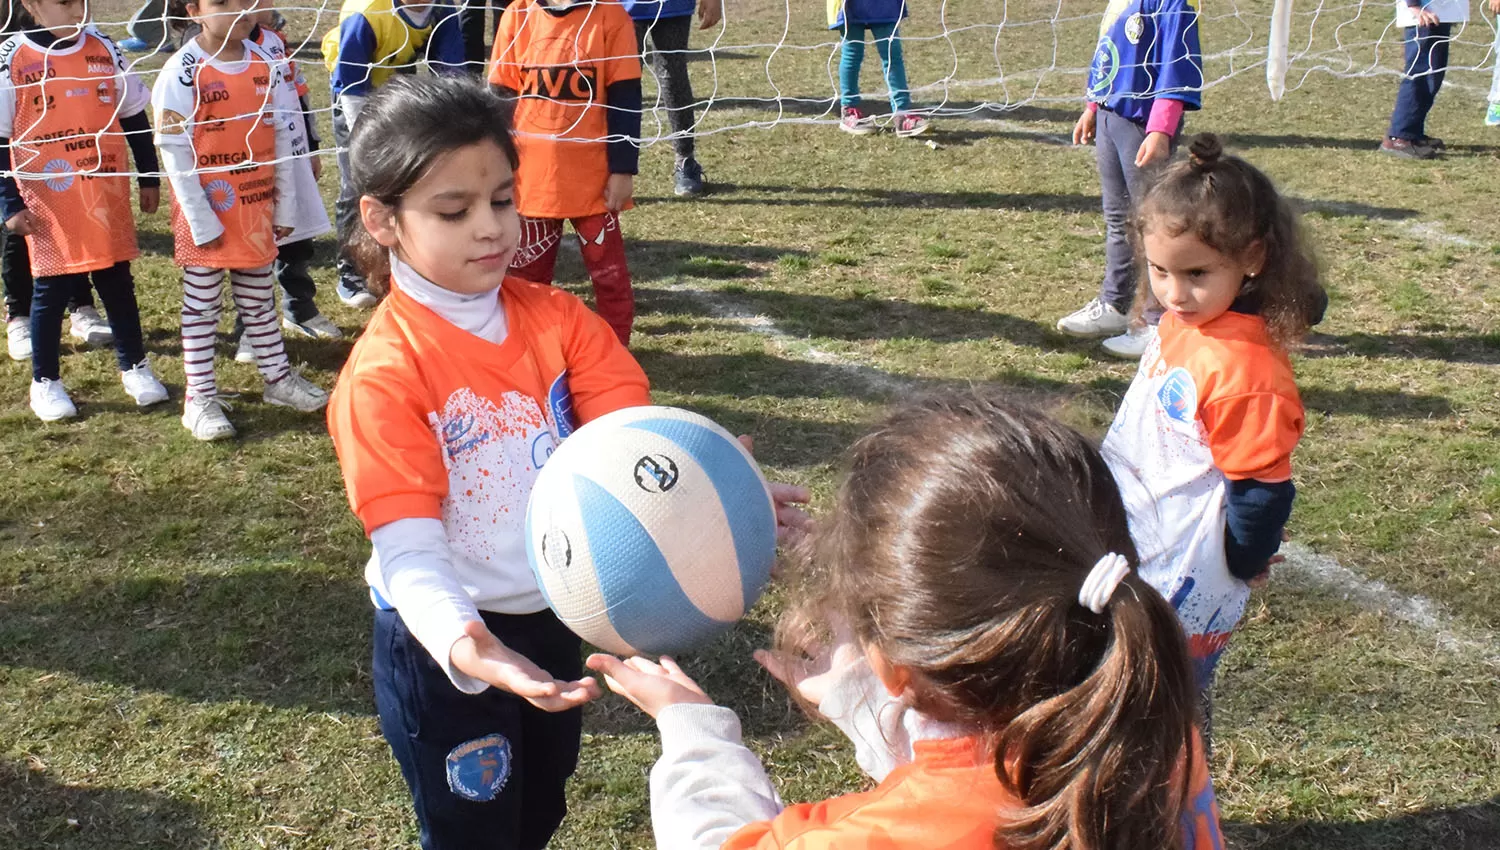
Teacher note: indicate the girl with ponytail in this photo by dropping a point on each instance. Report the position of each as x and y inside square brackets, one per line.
[970, 616]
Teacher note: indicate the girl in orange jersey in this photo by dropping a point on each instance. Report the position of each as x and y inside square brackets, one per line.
[1006, 676]
[67, 108]
[226, 126]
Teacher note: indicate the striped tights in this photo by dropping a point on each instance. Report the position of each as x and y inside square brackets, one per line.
[254, 293]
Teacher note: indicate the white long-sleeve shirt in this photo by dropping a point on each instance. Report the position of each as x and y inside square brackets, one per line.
[411, 567]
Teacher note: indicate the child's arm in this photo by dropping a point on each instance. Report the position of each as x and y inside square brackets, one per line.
[174, 102]
[352, 71]
[1258, 511]
[13, 210]
[1179, 83]
[622, 104]
[288, 116]
[602, 375]
[135, 121]
[1252, 436]
[445, 50]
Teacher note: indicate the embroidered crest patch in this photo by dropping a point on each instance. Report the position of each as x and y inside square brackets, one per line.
[478, 769]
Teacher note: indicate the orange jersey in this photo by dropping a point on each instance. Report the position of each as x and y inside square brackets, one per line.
[68, 151]
[562, 65]
[227, 111]
[274, 43]
[946, 798]
[431, 421]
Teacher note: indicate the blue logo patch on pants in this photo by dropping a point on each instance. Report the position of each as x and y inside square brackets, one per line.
[477, 769]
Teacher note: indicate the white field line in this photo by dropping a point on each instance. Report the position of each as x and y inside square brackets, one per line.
[1302, 564]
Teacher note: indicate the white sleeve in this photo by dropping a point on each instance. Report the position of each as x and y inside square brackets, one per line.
[7, 90]
[878, 724]
[180, 163]
[352, 104]
[706, 786]
[287, 117]
[133, 94]
[417, 570]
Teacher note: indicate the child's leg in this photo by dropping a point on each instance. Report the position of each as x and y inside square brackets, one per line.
[604, 257]
[888, 43]
[345, 208]
[849, 64]
[200, 322]
[536, 256]
[116, 288]
[1442, 37]
[297, 286]
[669, 44]
[484, 770]
[255, 298]
[1414, 97]
[49, 300]
[1118, 141]
[15, 273]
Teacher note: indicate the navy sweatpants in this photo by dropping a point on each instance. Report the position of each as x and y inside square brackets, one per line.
[485, 770]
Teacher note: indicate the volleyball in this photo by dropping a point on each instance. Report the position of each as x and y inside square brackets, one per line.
[651, 530]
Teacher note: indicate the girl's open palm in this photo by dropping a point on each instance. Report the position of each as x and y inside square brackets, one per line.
[480, 654]
[649, 685]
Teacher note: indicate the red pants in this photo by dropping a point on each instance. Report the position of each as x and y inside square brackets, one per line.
[603, 256]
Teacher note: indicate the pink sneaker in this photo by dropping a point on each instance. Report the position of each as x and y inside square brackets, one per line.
[910, 124]
[857, 121]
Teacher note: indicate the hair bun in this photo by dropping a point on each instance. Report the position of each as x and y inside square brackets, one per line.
[1205, 150]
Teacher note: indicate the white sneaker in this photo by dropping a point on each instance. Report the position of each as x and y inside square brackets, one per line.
[50, 402]
[244, 352]
[318, 327]
[297, 392]
[1095, 318]
[1131, 344]
[88, 326]
[18, 338]
[204, 416]
[142, 385]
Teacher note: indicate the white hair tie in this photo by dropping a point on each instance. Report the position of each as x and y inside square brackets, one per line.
[1100, 585]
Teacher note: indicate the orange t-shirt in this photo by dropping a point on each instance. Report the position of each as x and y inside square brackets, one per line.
[946, 798]
[562, 64]
[69, 153]
[424, 413]
[228, 111]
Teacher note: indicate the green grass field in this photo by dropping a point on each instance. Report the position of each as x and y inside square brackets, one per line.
[183, 629]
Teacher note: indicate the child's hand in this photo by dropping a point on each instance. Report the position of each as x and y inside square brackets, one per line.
[710, 12]
[618, 190]
[317, 162]
[1426, 18]
[1156, 146]
[650, 686]
[1083, 131]
[811, 679]
[282, 232]
[1494, 7]
[480, 654]
[21, 223]
[792, 523]
[213, 244]
[150, 199]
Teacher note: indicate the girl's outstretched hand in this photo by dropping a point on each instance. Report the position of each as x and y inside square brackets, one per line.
[792, 523]
[480, 654]
[811, 679]
[650, 686]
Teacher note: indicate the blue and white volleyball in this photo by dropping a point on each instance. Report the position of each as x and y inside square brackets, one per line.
[651, 531]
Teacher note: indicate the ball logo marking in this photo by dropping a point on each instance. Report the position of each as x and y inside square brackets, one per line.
[656, 473]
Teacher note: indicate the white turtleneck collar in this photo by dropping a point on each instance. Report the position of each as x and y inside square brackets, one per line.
[481, 314]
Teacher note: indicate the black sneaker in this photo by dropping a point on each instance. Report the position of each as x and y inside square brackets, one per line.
[688, 179]
[1433, 143]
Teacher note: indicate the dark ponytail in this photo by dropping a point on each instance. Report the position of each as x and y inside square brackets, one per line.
[960, 540]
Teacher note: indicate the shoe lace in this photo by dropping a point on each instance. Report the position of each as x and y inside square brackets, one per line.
[212, 401]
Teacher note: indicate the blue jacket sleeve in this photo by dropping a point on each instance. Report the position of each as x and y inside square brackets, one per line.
[10, 193]
[1178, 53]
[445, 51]
[1258, 511]
[351, 74]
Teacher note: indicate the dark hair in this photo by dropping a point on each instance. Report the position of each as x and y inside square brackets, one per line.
[957, 547]
[17, 19]
[1231, 205]
[407, 125]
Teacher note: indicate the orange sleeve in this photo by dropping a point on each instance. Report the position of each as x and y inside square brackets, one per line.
[504, 70]
[602, 375]
[805, 826]
[623, 61]
[1252, 435]
[391, 459]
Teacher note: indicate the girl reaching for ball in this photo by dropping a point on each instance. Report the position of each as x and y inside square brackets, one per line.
[1004, 673]
[462, 384]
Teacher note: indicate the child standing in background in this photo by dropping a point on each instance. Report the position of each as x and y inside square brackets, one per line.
[1202, 443]
[880, 19]
[1427, 32]
[574, 67]
[669, 23]
[1147, 70]
[968, 615]
[224, 115]
[68, 109]
[375, 39]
